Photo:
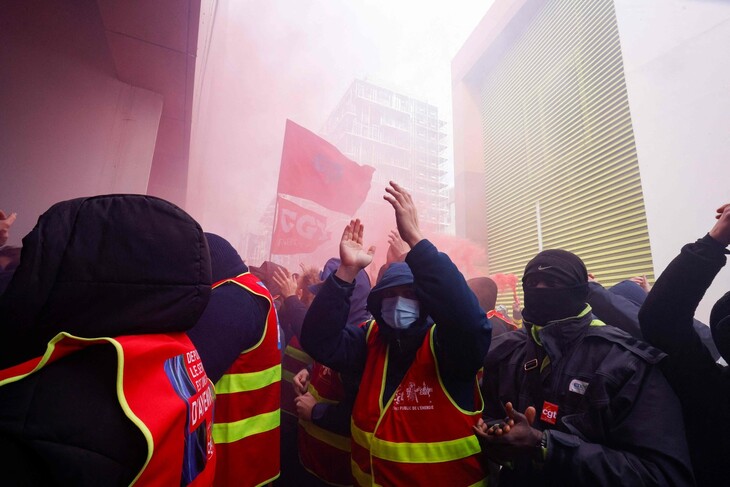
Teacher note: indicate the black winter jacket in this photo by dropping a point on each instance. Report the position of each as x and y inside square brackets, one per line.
[101, 266]
[618, 421]
[702, 385]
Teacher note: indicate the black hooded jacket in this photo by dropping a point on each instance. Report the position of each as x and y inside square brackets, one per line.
[702, 385]
[618, 421]
[101, 266]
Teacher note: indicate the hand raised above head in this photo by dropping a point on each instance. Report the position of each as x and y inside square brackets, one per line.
[5, 223]
[286, 282]
[406, 215]
[353, 255]
[721, 230]
[397, 248]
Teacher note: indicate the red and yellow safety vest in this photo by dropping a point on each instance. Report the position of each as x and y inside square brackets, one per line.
[294, 360]
[323, 453]
[163, 389]
[247, 414]
[421, 436]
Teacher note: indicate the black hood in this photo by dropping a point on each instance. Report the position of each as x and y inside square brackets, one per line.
[105, 266]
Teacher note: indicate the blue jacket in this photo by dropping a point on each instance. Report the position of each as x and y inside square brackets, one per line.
[463, 332]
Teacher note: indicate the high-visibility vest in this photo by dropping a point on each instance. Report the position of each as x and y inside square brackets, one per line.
[163, 390]
[247, 415]
[421, 436]
[323, 453]
[294, 360]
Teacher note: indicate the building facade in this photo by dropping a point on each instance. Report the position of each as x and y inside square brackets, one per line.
[599, 127]
[402, 137]
[560, 167]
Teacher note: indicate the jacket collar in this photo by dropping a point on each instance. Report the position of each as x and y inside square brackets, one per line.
[559, 335]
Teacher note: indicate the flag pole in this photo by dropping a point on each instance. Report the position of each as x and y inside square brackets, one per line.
[273, 225]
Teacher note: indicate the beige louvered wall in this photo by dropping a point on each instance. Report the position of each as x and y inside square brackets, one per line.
[557, 133]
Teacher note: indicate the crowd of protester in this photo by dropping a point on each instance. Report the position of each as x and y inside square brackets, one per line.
[139, 349]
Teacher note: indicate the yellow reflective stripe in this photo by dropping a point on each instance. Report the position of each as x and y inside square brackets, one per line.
[269, 480]
[315, 393]
[297, 354]
[248, 381]
[44, 360]
[545, 363]
[359, 436]
[481, 483]
[430, 452]
[597, 323]
[287, 375]
[230, 432]
[332, 439]
[361, 478]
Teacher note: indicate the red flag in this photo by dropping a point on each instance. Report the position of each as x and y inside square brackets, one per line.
[313, 169]
[297, 230]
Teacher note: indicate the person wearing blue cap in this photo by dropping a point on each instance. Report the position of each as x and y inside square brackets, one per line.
[418, 358]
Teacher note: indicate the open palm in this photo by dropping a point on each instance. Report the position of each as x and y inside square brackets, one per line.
[352, 252]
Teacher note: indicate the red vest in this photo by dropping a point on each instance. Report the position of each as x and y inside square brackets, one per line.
[323, 453]
[163, 389]
[421, 436]
[294, 360]
[247, 418]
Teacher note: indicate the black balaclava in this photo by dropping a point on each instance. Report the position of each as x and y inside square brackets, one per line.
[567, 280]
[224, 260]
[720, 326]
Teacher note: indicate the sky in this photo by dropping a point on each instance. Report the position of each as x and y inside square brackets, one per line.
[272, 60]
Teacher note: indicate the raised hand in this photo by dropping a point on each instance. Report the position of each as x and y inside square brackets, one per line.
[642, 282]
[721, 230]
[5, 223]
[286, 282]
[406, 216]
[397, 248]
[353, 255]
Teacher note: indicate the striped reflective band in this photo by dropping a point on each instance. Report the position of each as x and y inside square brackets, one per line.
[297, 354]
[361, 478]
[230, 432]
[315, 393]
[332, 439]
[427, 452]
[248, 381]
[287, 375]
[359, 436]
[431, 452]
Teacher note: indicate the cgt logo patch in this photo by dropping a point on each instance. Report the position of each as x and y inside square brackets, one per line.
[549, 412]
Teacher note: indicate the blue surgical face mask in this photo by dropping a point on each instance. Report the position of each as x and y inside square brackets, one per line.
[399, 312]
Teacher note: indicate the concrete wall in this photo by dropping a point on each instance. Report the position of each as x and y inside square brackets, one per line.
[678, 80]
[68, 126]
